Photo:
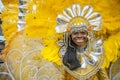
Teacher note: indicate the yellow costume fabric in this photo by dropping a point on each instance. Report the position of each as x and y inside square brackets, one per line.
[41, 22]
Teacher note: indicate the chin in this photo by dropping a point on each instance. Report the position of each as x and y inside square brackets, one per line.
[80, 45]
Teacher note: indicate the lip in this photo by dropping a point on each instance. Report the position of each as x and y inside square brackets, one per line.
[80, 40]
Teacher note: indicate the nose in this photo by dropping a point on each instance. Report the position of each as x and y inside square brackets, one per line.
[79, 35]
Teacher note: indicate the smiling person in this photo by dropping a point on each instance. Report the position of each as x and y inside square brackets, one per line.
[82, 51]
[79, 37]
[77, 43]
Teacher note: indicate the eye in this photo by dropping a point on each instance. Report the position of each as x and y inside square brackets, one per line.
[84, 32]
[75, 32]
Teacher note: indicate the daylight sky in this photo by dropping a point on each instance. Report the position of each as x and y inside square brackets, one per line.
[1, 5]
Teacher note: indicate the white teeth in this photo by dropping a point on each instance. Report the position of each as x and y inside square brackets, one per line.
[80, 40]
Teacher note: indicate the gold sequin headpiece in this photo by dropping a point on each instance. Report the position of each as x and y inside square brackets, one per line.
[76, 16]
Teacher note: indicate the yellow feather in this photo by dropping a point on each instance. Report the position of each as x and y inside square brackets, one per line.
[41, 22]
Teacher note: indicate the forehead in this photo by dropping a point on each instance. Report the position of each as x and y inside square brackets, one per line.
[78, 29]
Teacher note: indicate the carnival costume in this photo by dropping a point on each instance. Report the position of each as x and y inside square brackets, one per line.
[37, 37]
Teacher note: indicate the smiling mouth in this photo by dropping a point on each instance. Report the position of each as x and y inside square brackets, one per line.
[80, 40]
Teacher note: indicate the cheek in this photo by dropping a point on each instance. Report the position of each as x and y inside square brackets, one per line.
[85, 36]
[73, 37]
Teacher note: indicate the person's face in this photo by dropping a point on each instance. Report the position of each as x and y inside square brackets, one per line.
[79, 37]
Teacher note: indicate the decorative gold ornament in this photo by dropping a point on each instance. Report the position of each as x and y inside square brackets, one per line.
[78, 16]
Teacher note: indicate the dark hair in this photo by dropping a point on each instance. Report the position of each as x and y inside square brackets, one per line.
[70, 58]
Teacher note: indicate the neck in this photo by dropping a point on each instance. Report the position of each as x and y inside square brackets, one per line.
[82, 49]
[82, 46]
